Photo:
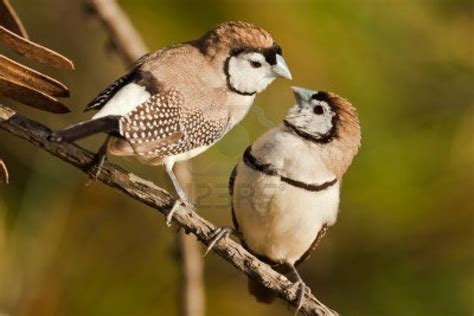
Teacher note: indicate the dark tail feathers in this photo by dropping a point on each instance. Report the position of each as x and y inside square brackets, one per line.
[105, 124]
[261, 293]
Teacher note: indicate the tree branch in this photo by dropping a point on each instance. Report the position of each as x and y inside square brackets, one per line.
[125, 38]
[191, 265]
[157, 198]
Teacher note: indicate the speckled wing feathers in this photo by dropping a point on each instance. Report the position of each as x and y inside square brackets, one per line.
[161, 126]
[155, 119]
[99, 101]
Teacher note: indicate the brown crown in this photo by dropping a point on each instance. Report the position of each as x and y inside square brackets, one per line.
[231, 35]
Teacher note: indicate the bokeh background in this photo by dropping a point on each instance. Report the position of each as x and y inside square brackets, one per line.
[403, 244]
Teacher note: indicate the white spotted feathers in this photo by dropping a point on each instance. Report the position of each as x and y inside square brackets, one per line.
[161, 126]
[155, 119]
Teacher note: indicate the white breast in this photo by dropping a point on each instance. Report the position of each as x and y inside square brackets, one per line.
[189, 154]
[239, 105]
[296, 158]
[279, 220]
[156, 161]
[124, 101]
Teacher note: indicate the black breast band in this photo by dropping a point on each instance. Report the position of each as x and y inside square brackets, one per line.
[252, 162]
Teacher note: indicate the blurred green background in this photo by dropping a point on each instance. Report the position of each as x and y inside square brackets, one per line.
[404, 241]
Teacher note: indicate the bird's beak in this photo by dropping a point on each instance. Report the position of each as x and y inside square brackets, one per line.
[302, 95]
[280, 69]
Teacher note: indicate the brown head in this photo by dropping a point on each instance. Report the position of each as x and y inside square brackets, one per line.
[230, 35]
[250, 56]
[328, 120]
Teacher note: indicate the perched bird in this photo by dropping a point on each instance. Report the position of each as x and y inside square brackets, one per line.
[285, 190]
[177, 102]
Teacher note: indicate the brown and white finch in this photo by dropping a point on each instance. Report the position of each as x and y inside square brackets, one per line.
[177, 102]
[285, 190]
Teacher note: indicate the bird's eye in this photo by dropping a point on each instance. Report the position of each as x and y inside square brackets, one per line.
[255, 64]
[318, 110]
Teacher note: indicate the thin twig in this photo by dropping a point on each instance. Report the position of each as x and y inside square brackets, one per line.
[125, 39]
[157, 198]
[192, 271]
[192, 298]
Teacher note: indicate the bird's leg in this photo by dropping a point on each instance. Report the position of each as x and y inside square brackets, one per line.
[302, 288]
[181, 194]
[219, 233]
[99, 160]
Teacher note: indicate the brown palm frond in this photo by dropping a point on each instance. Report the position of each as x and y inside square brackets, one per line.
[32, 50]
[20, 82]
[3, 172]
[30, 96]
[14, 71]
[10, 20]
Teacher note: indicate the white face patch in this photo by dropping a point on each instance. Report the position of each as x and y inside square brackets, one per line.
[249, 73]
[314, 118]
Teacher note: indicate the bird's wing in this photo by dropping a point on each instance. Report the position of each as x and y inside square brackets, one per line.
[231, 192]
[282, 268]
[315, 243]
[99, 101]
[162, 127]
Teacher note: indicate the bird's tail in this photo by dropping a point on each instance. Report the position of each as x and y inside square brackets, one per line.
[81, 130]
[261, 293]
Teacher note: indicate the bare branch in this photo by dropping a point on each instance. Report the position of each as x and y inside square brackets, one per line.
[125, 38]
[192, 271]
[157, 198]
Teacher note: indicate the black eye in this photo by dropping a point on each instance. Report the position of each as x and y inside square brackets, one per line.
[318, 110]
[255, 64]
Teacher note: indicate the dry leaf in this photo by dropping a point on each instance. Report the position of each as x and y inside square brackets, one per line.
[34, 51]
[3, 172]
[14, 71]
[6, 113]
[10, 20]
[30, 96]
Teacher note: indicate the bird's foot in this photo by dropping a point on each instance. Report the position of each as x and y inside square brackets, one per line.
[96, 167]
[301, 290]
[218, 234]
[176, 205]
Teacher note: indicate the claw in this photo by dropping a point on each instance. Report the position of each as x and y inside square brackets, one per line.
[218, 234]
[97, 165]
[98, 161]
[302, 291]
[302, 288]
[177, 204]
[181, 194]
